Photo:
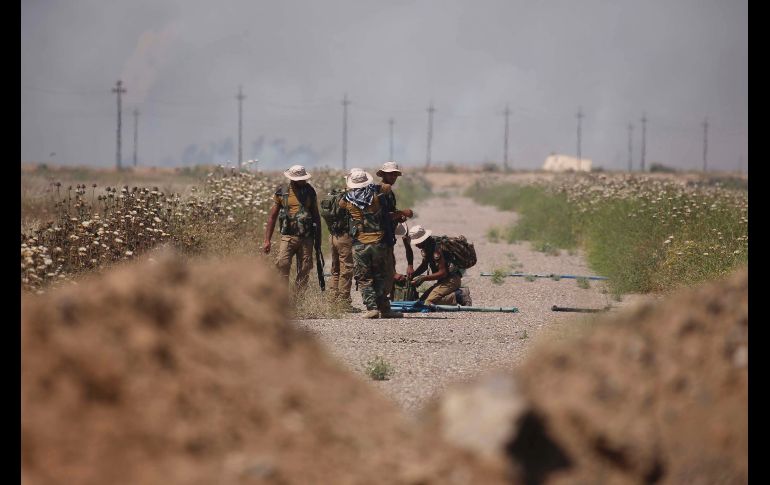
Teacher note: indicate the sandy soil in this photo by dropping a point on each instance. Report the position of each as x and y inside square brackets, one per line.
[429, 351]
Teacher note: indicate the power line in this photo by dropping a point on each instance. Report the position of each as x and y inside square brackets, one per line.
[644, 138]
[580, 116]
[431, 110]
[119, 90]
[345, 104]
[705, 141]
[240, 97]
[136, 129]
[630, 152]
[505, 142]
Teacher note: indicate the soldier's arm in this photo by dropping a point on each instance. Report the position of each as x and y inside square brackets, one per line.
[421, 269]
[442, 270]
[409, 256]
[270, 227]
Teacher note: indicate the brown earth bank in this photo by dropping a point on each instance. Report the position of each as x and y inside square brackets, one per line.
[174, 372]
[168, 372]
[658, 394]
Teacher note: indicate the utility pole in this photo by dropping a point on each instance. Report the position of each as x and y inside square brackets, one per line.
[431, 110]
[507, 113]
[390, 122]
[644, 137]
[240, 97]
[580, 117]
[345, 104]
[119, 90]
[630, 153]
[136, 130]
[705, 141]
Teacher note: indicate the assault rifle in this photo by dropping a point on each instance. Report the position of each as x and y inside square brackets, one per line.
[319, 257]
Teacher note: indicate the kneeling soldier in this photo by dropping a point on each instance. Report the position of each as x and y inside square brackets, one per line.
[362, 201]
[296, 208]
[448, 277]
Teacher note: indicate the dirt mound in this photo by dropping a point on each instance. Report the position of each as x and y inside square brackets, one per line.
[656, 395]
[173, 373]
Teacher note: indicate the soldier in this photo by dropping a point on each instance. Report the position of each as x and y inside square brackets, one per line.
[341, 243]
[363, 202]
[389, 173]
[296, 208]
[448, 277]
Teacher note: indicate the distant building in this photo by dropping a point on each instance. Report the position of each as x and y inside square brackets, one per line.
[564, 163]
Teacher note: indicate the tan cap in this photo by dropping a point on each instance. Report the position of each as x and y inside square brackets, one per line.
[418, 234]
[297, 172]
[389, 167]
[358, 178]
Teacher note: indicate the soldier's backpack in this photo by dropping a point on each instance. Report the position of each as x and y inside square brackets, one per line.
[458, 250]
[336, 217]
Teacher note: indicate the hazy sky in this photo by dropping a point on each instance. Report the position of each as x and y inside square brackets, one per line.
[181, 62]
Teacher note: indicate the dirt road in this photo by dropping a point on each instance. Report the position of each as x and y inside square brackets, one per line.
[429, 351]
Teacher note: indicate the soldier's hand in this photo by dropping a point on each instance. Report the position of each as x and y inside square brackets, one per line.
[409, 271]
[399, 277]
[266, 247]
[418, 280]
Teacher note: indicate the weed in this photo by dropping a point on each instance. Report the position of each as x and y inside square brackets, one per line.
[530, 278]
[493, 235]
[378, 369]
[498, 276]
[583, 283]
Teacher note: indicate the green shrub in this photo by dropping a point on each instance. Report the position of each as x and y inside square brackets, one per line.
[378, 369]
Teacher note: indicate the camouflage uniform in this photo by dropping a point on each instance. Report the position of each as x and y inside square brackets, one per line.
[370, 251]
[297, 231]
[390, 241]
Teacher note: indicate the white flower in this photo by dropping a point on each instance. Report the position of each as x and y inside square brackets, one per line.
[129, 253]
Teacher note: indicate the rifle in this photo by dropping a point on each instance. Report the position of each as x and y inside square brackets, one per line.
[319, 258]
[421, 307]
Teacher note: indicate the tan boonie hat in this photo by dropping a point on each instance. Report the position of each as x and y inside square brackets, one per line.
[297, 172]
[351, 171]
[357, 179]
[419, 234]
[389, 167]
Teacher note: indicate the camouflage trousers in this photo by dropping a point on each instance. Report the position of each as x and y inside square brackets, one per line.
[302, 248]
[342, 266]
[390, 271]
[370, 269]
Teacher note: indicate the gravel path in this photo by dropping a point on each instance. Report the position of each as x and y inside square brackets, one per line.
[429, 351]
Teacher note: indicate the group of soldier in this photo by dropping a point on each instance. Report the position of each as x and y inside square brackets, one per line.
[362, 242]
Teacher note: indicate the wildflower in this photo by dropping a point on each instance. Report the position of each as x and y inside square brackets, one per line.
[129, 253]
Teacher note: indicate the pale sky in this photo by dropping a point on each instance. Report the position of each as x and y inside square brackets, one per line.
[181, 62]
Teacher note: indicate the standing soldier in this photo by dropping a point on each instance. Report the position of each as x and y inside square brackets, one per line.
[363, 202]
[389, 173]
[446, 273]
[341, 243]
[296, 208]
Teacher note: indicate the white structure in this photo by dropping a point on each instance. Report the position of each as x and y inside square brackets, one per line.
[563, 163]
